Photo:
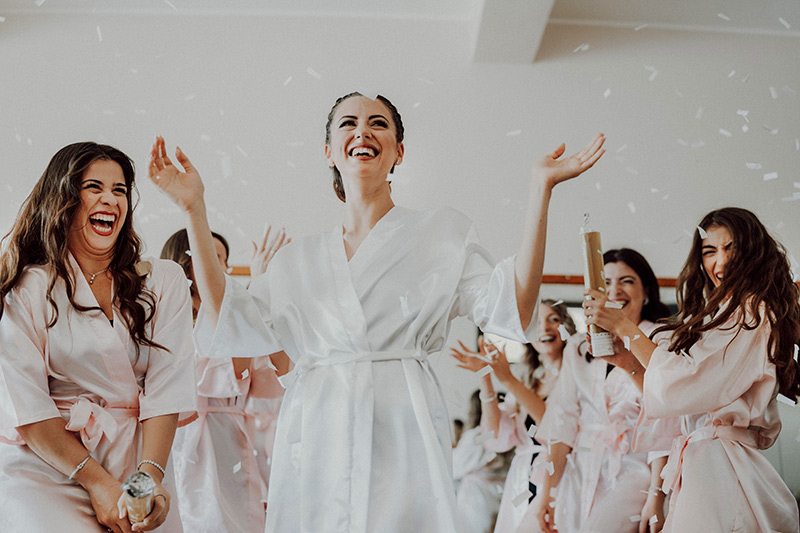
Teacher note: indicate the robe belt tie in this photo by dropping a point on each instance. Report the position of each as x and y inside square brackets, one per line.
[91, 421]
[672, 470]
[305, 364]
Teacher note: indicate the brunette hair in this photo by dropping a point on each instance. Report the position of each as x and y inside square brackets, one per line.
[653, 309]
[176, 248]
[757, 273]
[338, 186]
[532, 360]
[40, 236]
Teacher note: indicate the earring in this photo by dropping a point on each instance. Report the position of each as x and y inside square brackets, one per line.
[646, 300]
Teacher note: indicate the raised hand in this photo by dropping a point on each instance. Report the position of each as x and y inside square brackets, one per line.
[499, 363]
[185, 188]
[550, 170]
[468, 359]
[265, 251]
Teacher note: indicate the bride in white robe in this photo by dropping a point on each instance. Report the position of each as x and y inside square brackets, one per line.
[363, 438]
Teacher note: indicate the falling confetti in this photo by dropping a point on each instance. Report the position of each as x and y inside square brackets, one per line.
[682, 142]
[732, 74]
[484, 371]
[562, 330]
[726, 133]
[699, 113]
[635, 518]
[653, 72]
[743, 113]
[287, 81]
[784, 400]
[773, 93]
[753, 166]
[745, 128]
[519, 499]
[698, 144]
[606, 93]
[314, 73]
[532, 429]
[99, 35]
[724, 16]
[514, 132]
[581, 48]
[785, 24]
[245, 373]
[702, 232]
[241, 150]
[770, 176]
[170, 4]
[640, 27]
[237, 467]
[621, 148]
[632, 207]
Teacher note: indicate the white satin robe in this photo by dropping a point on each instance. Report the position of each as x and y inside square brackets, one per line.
[604, 482]
[478, 482]
[725, 393]
[218, 484]
[363, 439]
[82, 370]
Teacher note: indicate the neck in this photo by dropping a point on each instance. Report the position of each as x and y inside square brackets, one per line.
[363, 211]
[92, 263]
[551, 358]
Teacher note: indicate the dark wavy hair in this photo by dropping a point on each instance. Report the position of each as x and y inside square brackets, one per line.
[338, 186]
[40, 236]
[653, 309]
[757, 273]
[175, 249]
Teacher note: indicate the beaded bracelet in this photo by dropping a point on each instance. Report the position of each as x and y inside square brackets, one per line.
[155, 464]
[78, 468]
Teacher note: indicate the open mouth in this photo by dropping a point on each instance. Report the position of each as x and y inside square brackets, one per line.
[363, 151]
[103, 223]
[547, 338]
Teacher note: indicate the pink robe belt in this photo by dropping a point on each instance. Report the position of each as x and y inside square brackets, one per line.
[594, 442]
[91, 421]
[672, 470]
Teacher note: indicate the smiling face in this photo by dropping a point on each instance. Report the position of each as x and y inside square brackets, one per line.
[363, 139]
[717, 249]
[104, 207]
[549, 340]
[624, 286]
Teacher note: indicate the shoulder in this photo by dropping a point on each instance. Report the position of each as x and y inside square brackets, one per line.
[32, 283]
[445, 220]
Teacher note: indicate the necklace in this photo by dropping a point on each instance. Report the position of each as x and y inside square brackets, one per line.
[92, 276]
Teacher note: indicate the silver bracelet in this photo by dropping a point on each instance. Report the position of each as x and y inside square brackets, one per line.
[155, 464]
[655, 490]
[487, 399]
[78, 468]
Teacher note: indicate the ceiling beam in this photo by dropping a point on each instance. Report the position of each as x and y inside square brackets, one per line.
[509, 31]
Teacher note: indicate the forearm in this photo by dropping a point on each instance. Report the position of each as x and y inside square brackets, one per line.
[558, 456]
[490, 410]
[640, 344]
[656, 466]
[61, 449]
[526, 397]
[529, 261]
[157, 436]
[208, 273]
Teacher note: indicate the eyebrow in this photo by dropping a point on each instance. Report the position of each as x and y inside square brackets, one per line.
[355, 117]
[98, 182]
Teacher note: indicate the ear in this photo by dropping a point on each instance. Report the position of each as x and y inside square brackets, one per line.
[400, 151]
[328, 155]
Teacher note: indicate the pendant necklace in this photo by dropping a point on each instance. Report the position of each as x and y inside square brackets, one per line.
[92, 276]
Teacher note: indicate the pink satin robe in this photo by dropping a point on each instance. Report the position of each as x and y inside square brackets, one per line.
[363, 439]
[604, 482]
[478, 485]
[725, 393]
[219, 486]
[83, 370]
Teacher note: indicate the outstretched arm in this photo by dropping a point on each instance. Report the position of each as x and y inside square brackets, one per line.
[547, 173]
[186, 189]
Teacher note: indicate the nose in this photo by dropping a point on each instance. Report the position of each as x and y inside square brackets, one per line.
[612, 290]
[722, 258]
[108, 198]
[363, 132]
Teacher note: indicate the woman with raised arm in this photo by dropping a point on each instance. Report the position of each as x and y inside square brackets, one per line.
[363, 438]
[595, 481]
[720, 367]
[96, 353]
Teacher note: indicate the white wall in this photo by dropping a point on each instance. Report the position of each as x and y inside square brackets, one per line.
[236, 94]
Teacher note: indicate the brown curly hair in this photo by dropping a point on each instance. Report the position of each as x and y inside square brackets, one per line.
[40, 233]
[757, 273]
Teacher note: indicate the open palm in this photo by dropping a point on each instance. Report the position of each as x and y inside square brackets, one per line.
[186, 188]
[551, 170]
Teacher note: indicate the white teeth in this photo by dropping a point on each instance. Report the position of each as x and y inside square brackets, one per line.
[363, 150]
[546, 338]
[104, 218]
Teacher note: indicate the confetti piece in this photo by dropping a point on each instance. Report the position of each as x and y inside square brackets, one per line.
[653, 520]
[732, 74]
[785, 24]
[426, 80]
[190, 282]
[770, 176]
[532, 429]
[2, 19]
[188, 252]
[726, 133]
[563, 333]
[237, 467]
[519, 499]
[613, 305]
[484, 371]
[581, 48]
[635, 518]
[606, 93]
[724, 16]
[745, 128]
[626, 342]
[773, 93]
[549, 466]
[699, 113]
[404, 306]
[314, 73]
[241, 150]
[743, 113]
[797, 145]
[483, 437]
[559, 302]
[632, 207]
[245, 373]
[170, 4]
[653, 190]
[783, 399]
[698, 144]
[753, 166]
[189, 97]
[229, 270]
[597, 186]
[682, 142]
[99, 35]
[621, 148]
[796, 350]
[702, 232]
[640, 27]
[514, 132]
[285, 83]
[39, 3]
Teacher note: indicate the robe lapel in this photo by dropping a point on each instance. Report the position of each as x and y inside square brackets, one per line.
[352, 314]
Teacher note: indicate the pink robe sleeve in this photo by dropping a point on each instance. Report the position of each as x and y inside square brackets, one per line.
[486, 294]
[169, 385]
[560, 420]
[24, 391]
[216, 378]
[723, 365]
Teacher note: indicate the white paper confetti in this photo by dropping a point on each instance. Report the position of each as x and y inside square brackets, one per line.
[773, 93]
[314, 73]
[484, 371]
[785, 24]
[559, 302]
[2, 19]
[783, 399]
[699, 113]
[426, 80]
[635, 518]
[621, 148]
[549, 465]
[241, 150]
[532, 429]
[562, 331]
[726, 133]
[753, 166]
[170, 4]
[519, 499]
[797, 145]
[698, 144]
[743, 113]
[702, 232]
[626, 342]
[581, 48]
[770, 176]
[39, 3]
[285, 83]
[229, 270]
[606, 93]
[237, 467]
[682, 142]
[99, 35]
[723, 16]
[188, 252]
[796, 350]
[632, 207]
[483, 437]
[745, 128]
[404, 306]
[732, 74]
[653, 73]
[245, 373]
[640, 27]
[189, 97]
[513, 133]
[653, 520]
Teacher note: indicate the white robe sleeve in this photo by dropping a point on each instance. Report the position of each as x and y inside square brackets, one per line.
[169, 385]
[24, 391]
[244, 325]
[486, 294]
